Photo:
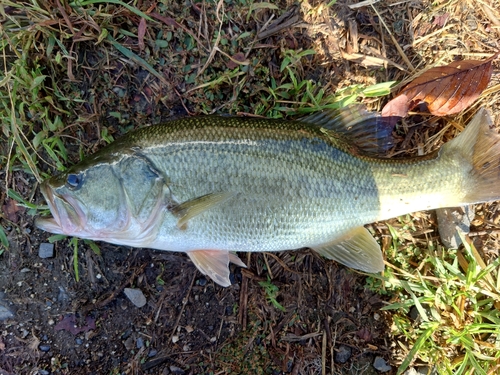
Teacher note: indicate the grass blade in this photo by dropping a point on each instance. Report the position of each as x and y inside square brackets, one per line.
[137, 59]
[418, 345]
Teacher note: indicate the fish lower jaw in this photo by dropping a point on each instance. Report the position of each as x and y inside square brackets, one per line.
[49, 224]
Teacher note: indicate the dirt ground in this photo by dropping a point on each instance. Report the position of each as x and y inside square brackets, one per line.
[189, 325]
[288, 313]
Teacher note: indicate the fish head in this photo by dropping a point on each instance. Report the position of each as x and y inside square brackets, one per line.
[86, 201]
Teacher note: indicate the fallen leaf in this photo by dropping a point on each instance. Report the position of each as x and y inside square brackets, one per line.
[10, 209]
[68, 323]
[236, 60]
[141, 31]
[445, 89]
[166, 20]
[441, 20]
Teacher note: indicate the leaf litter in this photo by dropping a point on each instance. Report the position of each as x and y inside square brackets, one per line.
[445, 90]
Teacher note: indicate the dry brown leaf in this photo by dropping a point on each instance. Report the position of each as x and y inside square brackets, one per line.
[141, 31]
[445, 89]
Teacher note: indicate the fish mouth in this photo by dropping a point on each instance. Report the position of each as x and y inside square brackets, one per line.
[66, 217]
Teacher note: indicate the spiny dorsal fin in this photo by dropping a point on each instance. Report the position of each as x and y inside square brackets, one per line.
[193, 207]
[369, 131]
[356, 249]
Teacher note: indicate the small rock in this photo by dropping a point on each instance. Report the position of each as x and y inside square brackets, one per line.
[135, 296]
[126, 334]
[411, 371]
[201, 281]
[44, 347]
[451, 221]
[381, 365]
[43, 372]
[177, 370]
[78, 341]
[139, 343]
[5, 313]
[343, 354]
[152, 353]
[46, 250]
[62, 296]
[129, 343]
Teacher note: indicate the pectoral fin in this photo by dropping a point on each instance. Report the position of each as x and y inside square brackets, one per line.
[215, 264]
[356, 249]
[193, 207]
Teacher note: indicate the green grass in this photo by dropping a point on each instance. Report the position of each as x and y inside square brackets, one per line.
[455, 304]
[449, 314]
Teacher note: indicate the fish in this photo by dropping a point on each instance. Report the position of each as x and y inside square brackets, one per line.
[211, 186]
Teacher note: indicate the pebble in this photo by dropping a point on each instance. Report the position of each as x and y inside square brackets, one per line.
[79, 341]
[152, 353]
[5, 313]
[424, 370]
[43, 372]
[126, 334]
[343, 354]
[177, 370]
[44, 347]
[381, 365]
[62, 296]
[139, 343]
[135, 296]
[201, 281]
[46, 250]
[451, 221]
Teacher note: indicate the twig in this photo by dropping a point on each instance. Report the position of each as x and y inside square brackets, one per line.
[269, 271]
[117, 291]
[184, 303]
[396, 44]
[285, 21]
[242, 314]
[65, 16]
[214, 48]
[323, 354]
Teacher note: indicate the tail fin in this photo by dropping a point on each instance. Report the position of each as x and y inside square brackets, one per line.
[480, 145]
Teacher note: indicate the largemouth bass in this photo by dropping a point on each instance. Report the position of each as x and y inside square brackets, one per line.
[210, 186]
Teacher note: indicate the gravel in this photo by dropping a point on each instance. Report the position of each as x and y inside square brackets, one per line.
[135, 296]
[46, 250]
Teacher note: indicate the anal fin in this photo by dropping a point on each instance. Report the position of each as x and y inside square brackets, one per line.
[356, 249]
[215, 264]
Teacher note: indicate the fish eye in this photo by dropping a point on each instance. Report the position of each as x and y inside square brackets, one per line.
[74, 181]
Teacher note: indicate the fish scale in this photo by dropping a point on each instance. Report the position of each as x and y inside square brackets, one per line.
[209, 186]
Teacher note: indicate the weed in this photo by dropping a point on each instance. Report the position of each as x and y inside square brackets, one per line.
[450, 316]
[271, 291]
[247, 353]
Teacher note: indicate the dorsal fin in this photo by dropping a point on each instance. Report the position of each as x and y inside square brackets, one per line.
[368, 131]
